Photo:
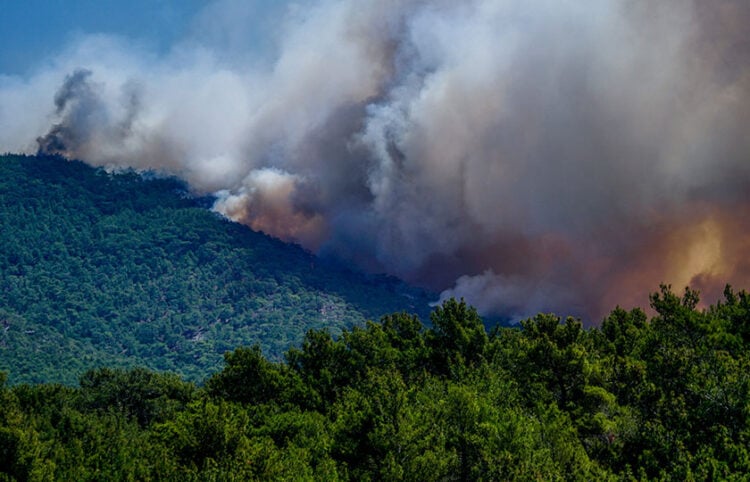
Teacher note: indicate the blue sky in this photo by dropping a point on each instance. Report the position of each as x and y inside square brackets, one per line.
[34, 30]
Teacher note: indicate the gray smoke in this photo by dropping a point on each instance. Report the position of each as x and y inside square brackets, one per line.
[527, 155]
[79, 107]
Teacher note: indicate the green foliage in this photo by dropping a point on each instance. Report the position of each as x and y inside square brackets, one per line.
[659, 399]
[119, 270]
[458, 338]
[663, 399]
[248, 377]
[137, 394]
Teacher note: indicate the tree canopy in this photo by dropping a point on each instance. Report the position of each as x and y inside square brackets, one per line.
[122, 269]
[659, 399]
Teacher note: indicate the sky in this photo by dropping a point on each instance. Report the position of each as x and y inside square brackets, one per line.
[37, 30]
[527, 155]
[31, 30]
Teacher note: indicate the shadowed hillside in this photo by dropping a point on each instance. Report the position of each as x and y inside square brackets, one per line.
[120, 269]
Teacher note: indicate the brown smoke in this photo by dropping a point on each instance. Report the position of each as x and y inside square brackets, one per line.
[527, 155]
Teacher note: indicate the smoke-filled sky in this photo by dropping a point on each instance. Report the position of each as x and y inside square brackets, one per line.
[528, 155]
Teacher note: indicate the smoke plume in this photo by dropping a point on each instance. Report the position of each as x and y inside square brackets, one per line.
[526, 155]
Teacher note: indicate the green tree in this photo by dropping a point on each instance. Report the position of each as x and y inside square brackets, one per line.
[458, 337]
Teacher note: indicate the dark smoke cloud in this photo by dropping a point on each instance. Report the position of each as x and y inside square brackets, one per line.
[78, 105]
[527, 155]
[86, 122]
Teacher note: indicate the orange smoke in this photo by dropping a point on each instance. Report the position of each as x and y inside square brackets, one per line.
[267, 203]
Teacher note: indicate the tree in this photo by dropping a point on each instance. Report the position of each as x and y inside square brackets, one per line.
[138, 393]
[458, 338]
[248, 377]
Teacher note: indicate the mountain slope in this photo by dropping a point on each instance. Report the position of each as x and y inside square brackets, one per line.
[119, 270]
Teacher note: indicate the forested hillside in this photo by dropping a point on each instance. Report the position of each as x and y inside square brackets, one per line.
[118, 270]
[634, 400]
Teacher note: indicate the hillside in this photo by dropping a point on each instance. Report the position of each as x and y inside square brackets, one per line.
[121, 270]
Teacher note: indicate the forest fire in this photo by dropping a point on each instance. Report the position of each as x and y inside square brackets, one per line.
[524, 155]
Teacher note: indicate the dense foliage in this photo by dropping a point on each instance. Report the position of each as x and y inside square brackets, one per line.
[115, 269]
[635, 399]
